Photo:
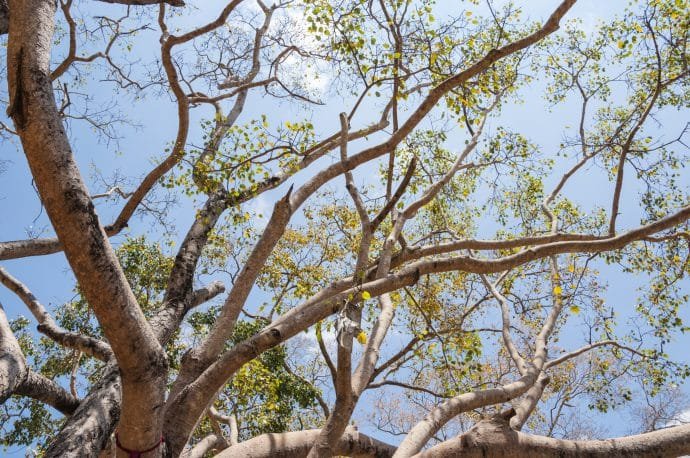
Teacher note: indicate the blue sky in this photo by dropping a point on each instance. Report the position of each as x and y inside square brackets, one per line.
[138, 147]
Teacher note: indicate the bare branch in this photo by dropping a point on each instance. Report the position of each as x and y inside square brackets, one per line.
[43, 389]
[46, 325]
[586, 348]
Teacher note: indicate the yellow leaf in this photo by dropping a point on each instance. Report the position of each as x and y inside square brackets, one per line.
[571, 268]
[366, 295]
[557, 290]
[362, 338]
[621, 44]
[468, 13]
[575, 309]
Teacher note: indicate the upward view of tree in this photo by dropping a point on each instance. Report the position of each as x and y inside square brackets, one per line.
[355, 241]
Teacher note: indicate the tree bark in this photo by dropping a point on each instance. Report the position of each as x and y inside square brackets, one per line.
[41, 388]
[12, 365]
[494, 438]
[141, 359]
[88, 430]
[4, 17]
[297, 444]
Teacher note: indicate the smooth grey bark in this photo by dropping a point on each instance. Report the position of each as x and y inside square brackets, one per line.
[12, 365]
[495, 438]
[527, 405]
[206, 445]
[187, 298]
[17, 379]
[297, 444]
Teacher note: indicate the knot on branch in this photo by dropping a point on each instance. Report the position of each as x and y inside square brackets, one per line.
[490, 432]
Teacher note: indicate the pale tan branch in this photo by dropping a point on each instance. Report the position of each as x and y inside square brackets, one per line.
[297, 444]
[586, 348]
[527, 405]
[494, 438]
[205, 294]
[505, 319]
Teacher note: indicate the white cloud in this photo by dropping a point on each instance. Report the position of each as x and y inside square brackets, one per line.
[682, 419]
[311, 75]
[260, 208]
[309, 343]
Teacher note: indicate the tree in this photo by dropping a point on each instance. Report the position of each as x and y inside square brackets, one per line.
[458, 270]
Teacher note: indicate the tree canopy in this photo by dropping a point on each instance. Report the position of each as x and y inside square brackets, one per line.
[383, 228]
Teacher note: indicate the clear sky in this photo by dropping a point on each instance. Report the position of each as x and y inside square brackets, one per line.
[154, 125]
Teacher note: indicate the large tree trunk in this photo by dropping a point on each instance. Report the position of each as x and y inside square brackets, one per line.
[87, 431]
[141, 360]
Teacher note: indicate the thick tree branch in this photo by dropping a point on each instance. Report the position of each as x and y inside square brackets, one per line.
[32, 107]
[46, 325]
[494, 438]
[16, 378]
[207, 444]
[423, 431]
[145, 2]
[229, 420]
[527, 405]
[205, 294]
[297, 444]
[12, 363]
[329, 300]
[87, 431]
[43, 389]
